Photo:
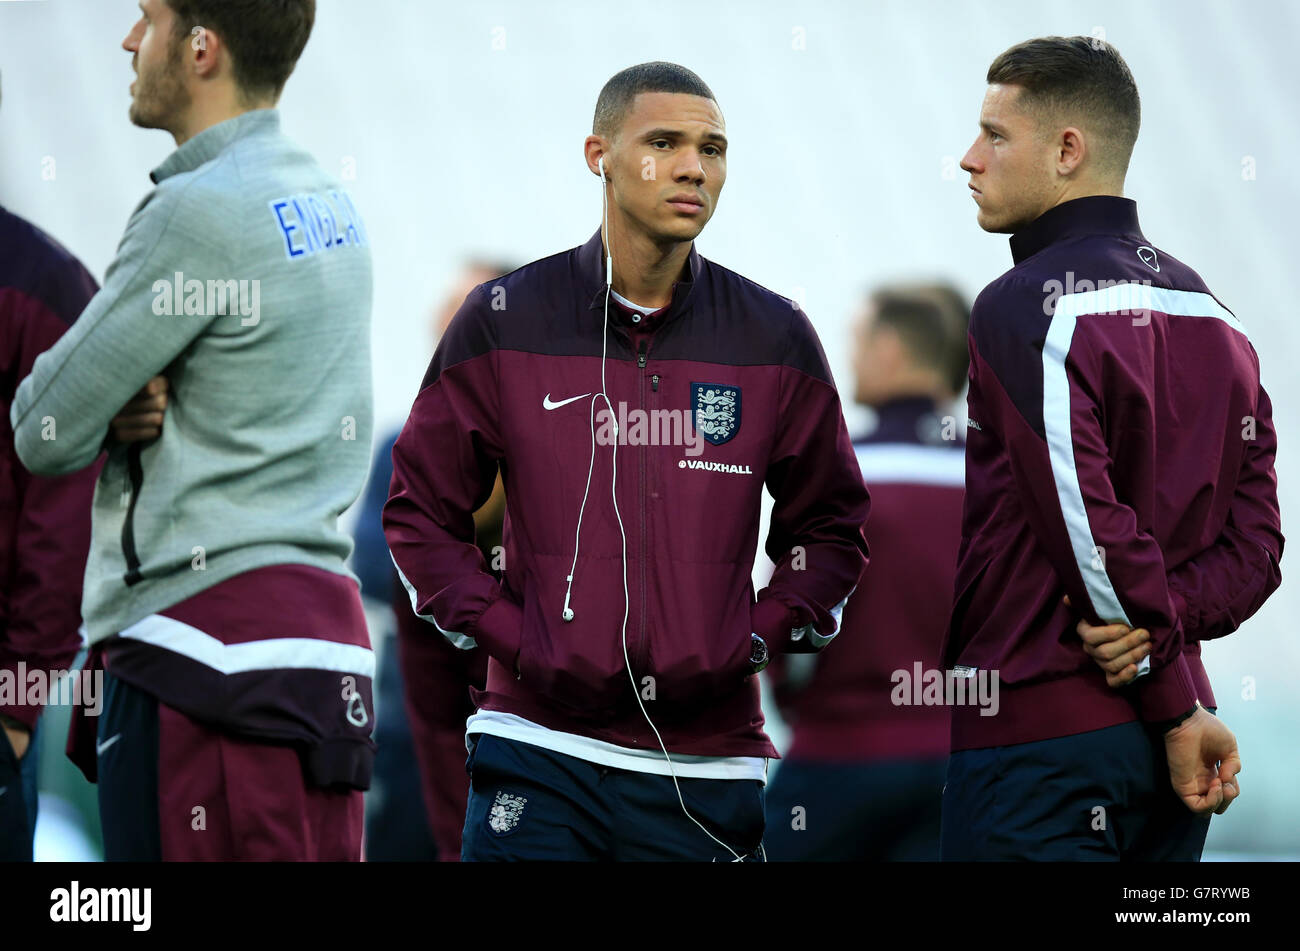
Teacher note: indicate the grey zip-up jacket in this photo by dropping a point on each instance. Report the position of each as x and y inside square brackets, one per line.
[245, 278]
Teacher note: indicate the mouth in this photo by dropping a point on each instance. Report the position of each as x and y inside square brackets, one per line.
[686, 204]
[976, 194]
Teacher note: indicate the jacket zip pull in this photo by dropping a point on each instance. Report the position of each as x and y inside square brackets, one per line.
[654, 382]
[640, 355]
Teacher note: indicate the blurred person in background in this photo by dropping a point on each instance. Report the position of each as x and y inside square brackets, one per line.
[862, 779]
[44, 520]
[416, 809]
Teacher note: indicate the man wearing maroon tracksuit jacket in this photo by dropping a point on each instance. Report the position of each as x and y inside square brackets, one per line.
[44, 520]
[634, 449]
[862, 779]
[1119, 471]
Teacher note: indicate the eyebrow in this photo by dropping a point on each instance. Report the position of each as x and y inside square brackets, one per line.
[677, 134]
[991, 127]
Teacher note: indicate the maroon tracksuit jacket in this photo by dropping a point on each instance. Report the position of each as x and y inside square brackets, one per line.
[1120, 450]
[44, 522]
[843, 710]
[512, 386]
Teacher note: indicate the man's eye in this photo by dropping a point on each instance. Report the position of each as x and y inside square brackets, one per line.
[712, 150]
[658, 142]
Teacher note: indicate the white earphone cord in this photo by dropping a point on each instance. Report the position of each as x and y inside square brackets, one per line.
[613, 489]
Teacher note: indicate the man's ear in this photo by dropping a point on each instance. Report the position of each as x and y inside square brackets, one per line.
[594, 148]
[1071, 150]
[206, 47]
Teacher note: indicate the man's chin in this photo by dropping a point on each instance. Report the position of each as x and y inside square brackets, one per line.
[682, 229]
[141, 118]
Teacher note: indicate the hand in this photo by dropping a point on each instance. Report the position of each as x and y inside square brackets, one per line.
[1117, 649]
[141, 419]
[18, 737]
[1203, 763]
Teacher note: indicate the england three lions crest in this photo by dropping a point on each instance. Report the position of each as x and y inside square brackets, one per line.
[506, 812]
[716, 408]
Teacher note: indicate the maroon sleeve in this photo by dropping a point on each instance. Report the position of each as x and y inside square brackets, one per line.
[438, 678]
[1224, 585]
[51, 518]
[820, 506]
[444, 467]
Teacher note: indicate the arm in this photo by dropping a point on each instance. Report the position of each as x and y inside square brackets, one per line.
[1228, 582]
[1112, 572]
[62, 411]
[820, 506]
[444, 465]
[52, 519]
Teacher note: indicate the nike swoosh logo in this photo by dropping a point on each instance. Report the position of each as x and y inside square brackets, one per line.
[100, 747]
[547, 404]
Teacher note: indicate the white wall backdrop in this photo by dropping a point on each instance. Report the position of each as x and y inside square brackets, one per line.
[463, 125]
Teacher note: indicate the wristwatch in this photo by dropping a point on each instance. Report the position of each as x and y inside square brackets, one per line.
[758, 655]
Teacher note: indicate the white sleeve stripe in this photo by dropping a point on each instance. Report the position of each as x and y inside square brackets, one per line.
[1060, 444]
[463, 641]
[908, 464]
[1137, 300]
[1141, 299]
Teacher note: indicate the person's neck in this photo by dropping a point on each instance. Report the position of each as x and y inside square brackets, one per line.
[908, 390]
[1070, 190]
[644, 270]
[203, 116]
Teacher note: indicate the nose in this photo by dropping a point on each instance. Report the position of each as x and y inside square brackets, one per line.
[132, 41]
[689, 168]
[970, 161]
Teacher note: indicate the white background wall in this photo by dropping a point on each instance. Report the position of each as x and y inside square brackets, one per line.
[464, 124]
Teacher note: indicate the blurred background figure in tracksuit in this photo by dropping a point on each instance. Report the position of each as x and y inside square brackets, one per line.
[416, 807]
[862, 777]
[44, 520]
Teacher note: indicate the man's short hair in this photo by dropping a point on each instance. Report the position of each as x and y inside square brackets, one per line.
[265, 37]
[623, 87]
[1077, 76]
[931, 320]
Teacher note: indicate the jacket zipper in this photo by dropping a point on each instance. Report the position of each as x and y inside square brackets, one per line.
[135, 472]
[643, 643]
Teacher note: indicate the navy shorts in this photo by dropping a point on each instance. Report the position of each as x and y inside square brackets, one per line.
[528, 803]
[1100, 796]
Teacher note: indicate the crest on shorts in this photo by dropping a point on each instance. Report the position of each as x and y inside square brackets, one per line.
[506, 812]
[716, 411]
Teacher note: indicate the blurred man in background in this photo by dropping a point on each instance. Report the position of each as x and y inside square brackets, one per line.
[862, 779]
[416, 809]
[1121, 502]
[44, 521]
[237, 710]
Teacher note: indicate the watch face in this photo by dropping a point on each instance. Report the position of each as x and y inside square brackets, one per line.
[758, 655]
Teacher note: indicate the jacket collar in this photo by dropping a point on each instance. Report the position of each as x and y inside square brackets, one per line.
[591, 267]
[1096, 214]
[213, 140]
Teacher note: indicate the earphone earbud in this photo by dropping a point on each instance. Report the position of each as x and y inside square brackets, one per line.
[600, 164]
[568, 611]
